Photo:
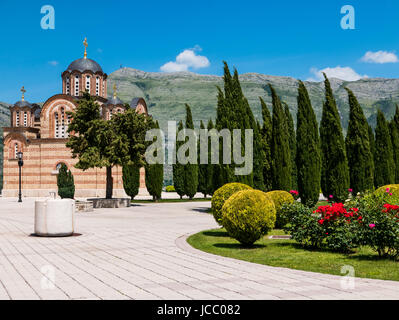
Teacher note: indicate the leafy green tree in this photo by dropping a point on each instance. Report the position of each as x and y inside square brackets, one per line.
[335, 171]
[190, 169]
[154, 172]
[360, 158]
[266, 136]
[98, 143]
[383, 156]
[292, 142]
[394, 126]
[308, 158]
[208, 174]
[65, 183]
[178, 168]
[280, 146]
[131, 180]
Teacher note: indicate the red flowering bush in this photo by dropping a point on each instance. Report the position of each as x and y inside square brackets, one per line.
[295, 194]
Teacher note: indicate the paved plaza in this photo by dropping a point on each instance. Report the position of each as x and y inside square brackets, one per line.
[141, 253]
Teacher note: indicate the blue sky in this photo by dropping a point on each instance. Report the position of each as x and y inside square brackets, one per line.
[288, 38]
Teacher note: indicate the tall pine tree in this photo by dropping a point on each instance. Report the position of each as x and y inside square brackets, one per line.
[292, 141]
[190, 169]
[178, 168]
[358, 151]
[308, 157]
[335, 171]
[202, 168]
[280, 146]
[383, 155]
[131, 180]
[266, 135]
[210, 167]
[394, 126]
[154, 173]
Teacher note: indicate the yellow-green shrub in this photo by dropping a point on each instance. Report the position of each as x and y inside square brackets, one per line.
[221, 195]
[393, 188]
[280, 198]
[170, 189]
[248, 215]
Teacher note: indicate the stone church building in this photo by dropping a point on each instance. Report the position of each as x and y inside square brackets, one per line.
[41, 133]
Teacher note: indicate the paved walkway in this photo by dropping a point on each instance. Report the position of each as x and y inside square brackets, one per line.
[141, 253]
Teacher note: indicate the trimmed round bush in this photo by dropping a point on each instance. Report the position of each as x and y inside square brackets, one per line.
[221, 195]
[280, 198]
[170, 189]
[393, 188]
[248, 215]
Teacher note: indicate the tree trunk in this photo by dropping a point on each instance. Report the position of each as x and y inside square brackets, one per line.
[110, 184]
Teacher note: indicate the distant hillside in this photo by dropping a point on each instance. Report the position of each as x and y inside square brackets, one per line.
[166, 93]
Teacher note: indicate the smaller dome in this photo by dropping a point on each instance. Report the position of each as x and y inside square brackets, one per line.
[84, 64]
[23, 104]
[114, 101]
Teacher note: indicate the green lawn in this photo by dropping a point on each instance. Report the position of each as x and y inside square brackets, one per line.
[286, 253]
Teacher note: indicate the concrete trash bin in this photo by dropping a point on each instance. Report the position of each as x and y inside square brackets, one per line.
[54, 217]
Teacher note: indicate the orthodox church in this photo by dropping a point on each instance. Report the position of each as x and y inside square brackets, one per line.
[40, 133]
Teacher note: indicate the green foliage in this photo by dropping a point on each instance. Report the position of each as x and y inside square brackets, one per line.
[335, 171]
[248, 215]
[65, 183]
[99, 143]
[394, 127]
[383, 156]
[266, 141]
[280, 198]
[131, 179]
[308, 158]
[178, 168]
[190, 169]
[390, 188]
[154, 172]
[360, 158]
[280, 146]
[221, 195]
[293, 148]
[170, 189]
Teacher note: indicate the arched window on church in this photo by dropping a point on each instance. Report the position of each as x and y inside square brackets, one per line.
[25, 119]
[77, 85]
[17, 118]
[56, 124]
[15, 150]
[110, 114]
[97, 86]
[67, 85]
[62, 122]
[88, 83]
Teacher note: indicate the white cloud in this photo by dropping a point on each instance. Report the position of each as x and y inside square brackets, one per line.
[53, 63]
[343, 73]
[379, 57]
[185, 60]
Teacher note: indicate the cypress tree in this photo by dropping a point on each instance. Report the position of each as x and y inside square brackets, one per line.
[178, 168]
[131, 180]
[209, 187]
[394, 126]
[266, 135]
[280, 146]
[383, 156]
[335, 171]
[308, 158]
[360, 158]
[65, 183]
[190, 169]
[202, 169]
[292, 142]
[154, 174]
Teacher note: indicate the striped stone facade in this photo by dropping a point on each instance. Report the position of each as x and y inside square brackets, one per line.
[41, 134]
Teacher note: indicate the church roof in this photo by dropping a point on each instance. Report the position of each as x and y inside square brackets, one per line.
[23, 104]
[113, 101]
[84, 64]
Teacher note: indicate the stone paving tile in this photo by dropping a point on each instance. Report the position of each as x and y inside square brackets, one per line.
[141, 253]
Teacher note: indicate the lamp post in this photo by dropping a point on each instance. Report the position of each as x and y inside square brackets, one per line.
[20, 164]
